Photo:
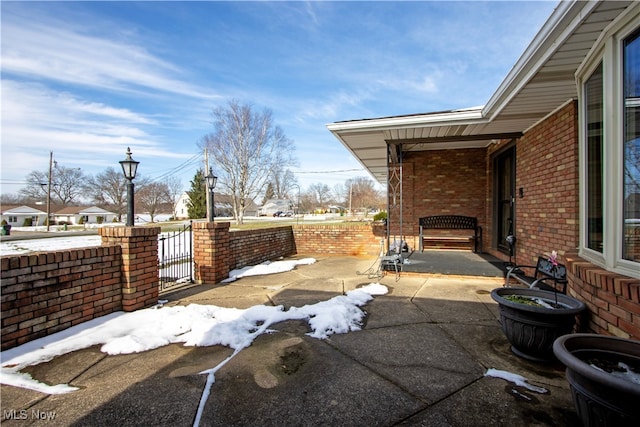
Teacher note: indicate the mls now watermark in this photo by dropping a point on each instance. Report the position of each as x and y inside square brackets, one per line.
[25, 414]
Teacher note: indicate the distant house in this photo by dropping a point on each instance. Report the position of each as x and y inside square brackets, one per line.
[223, 206]
[272, 206]
[181, 209]
[82, 215]
[34, 215]
[19, 215]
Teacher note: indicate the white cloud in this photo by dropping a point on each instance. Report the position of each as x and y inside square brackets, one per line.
[46, 49]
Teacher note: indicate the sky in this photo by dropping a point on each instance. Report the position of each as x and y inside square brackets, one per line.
[85, 80]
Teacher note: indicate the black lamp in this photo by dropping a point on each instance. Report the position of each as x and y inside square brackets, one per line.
[211, 183]
[129, 168]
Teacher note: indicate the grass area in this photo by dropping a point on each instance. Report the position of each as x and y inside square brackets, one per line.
[252, 224]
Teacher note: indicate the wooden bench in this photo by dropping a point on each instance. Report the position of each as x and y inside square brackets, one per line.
[451, 222]
[545, 275]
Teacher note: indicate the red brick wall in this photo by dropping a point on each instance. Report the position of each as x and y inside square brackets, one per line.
[358, 240]
[547, 171]
[251, 247]
[210, 251]
[217, 250]
[613, 300]
[442, 182]
[48, 292]
[139, 263]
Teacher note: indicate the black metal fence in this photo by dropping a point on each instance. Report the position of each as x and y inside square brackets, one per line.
[175, 254]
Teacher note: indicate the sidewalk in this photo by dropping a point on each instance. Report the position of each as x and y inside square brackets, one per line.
[419, 360]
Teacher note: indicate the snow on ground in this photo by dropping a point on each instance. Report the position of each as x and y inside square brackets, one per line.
[192, 325]
[267, 267]
[514, 378]
[48, 244]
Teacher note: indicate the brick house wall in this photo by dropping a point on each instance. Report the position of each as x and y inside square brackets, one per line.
[547, 171]
[442, 182]
[547, 218]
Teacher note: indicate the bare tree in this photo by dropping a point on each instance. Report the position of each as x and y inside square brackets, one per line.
[108, 190]
[363, 195]
[67, 185]
[154, 197]
[283, 182]
[246, 148]
[320, 193]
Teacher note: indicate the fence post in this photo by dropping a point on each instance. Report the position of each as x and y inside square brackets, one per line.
[139, 269]
[211, 251]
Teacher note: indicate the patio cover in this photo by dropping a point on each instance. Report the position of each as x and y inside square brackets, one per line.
[541, 81]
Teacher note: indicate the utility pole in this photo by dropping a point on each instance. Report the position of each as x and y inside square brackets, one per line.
[49, 190]
[350, 196]
[206, 168]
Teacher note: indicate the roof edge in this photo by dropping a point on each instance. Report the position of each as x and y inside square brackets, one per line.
[564, 19]
[468, 114]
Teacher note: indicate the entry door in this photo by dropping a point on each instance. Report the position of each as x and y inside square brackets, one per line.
[504, 172]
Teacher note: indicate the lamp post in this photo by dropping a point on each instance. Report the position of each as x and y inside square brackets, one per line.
[211, 183]
[49, 191]
[129, 168]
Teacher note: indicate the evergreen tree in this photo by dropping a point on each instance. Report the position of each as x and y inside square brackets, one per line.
[197, 204]
[269, 194]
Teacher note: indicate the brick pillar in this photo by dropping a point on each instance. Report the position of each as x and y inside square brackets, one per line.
[211, 251]
[140, 280]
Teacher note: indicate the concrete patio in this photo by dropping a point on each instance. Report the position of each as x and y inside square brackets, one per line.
[420, 359]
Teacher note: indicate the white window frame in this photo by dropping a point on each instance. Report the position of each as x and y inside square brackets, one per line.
[608, 50]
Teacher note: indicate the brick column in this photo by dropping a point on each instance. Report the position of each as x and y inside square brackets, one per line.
[211, 251]
[140, 280]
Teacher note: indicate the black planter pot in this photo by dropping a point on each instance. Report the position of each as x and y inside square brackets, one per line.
[600, 398]
[532, 330]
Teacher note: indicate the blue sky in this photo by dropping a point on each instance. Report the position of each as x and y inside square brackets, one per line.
[86, 80]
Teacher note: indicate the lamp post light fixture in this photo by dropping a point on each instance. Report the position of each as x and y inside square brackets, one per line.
[129, 168]
[211, 183]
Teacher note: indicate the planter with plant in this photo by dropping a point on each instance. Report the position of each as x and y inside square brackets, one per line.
[532, 318]
[604, 376]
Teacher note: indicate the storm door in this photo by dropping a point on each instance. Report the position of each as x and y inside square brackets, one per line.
[504, 173]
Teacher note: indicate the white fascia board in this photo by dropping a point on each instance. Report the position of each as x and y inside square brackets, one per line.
[94, 210]
[564, 20]
[22, 210]
[462, 116]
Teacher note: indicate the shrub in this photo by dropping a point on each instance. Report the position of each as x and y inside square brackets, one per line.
[380, 216]
[28, 222]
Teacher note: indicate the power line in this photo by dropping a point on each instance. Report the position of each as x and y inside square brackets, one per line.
[189, 162]
[336, 171]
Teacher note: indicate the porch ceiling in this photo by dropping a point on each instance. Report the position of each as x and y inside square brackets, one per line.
[541, 80]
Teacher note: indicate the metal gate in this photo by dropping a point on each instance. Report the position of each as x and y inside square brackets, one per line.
[175, 249]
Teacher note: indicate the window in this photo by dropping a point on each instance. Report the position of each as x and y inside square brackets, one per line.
[631, 150]
[13, 218]
[593, 100]
[610, 149]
